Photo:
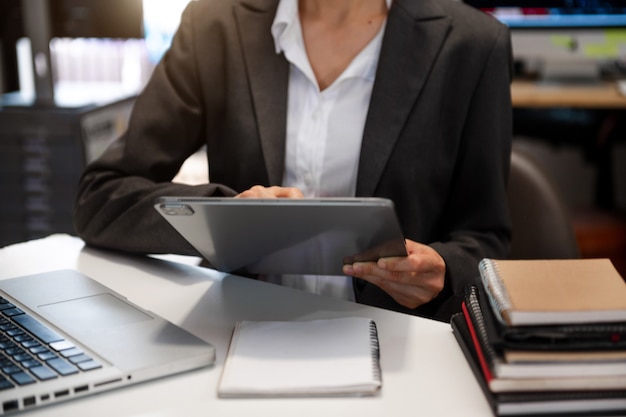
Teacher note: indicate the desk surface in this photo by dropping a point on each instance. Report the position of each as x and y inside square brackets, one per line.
[424, 371]
[529, 93]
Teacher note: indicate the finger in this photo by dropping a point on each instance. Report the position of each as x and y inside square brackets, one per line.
[258, 191]
[409, 296]
[422, 262]
[371, 271]
[286, 192]
[399, 264]
[360, 269]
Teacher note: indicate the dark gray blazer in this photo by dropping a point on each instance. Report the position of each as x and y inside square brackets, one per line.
[436, 140]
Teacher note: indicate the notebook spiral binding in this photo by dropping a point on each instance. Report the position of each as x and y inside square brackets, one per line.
[478, 322]
[498, 297]
[375, 349]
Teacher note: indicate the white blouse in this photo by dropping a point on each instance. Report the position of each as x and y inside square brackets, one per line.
[324, 129]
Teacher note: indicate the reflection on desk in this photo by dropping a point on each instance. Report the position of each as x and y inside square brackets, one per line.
[424, 371]
[532, 93]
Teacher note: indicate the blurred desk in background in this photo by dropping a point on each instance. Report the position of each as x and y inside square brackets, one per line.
[544, 94]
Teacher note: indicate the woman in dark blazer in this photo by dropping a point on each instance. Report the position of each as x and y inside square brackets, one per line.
[436, 141]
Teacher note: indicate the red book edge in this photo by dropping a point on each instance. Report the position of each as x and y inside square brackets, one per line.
[479, 352]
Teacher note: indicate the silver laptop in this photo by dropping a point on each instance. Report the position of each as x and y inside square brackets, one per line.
[64, 335]
[286, 236]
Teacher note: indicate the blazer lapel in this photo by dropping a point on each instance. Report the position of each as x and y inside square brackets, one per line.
[414, 35]
[402, 71]
[268, 74]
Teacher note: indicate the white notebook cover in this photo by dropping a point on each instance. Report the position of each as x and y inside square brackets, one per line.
[331, 357]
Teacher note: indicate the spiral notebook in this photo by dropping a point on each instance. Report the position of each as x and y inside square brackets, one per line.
[554, 291]
[587, 367]
[525, 397]
[316, 358]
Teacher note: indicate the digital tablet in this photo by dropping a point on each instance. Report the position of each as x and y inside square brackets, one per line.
[286, 236]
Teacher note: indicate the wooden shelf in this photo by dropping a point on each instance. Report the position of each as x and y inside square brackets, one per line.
[536, 94]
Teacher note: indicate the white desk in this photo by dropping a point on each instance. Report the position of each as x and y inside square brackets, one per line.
[424, 371]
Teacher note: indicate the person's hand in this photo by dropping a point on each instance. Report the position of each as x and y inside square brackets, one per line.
[258, 191]
[411, 280]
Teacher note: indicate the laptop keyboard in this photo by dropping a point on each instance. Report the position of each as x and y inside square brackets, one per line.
[30, 351]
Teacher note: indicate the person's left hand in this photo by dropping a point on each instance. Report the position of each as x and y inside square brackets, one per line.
[412, 280]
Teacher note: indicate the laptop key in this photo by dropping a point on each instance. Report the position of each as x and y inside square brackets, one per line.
[39, 330]
[43, 373]
[6, 306]
[29, 344]
[71, 352]
[62, 366]
[38, 349]
[6, 344]
[46, 356]
[79, 358]
[11, 369]
[10, 312]
[14, 351]
[89, 365]
[22, 378]
[5, 383]
[30, 363]
[61, 345]
[15, 332]
[22, 357]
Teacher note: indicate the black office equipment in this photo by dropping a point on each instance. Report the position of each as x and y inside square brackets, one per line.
[43, 151]
[45, 144]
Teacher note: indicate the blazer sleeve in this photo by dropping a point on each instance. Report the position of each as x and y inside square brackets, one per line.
[116, 194]
[478, 212]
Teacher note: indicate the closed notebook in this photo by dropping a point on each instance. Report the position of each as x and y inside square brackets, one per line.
[528, 396]
[546, 337]
[330, 357]
[529, 364]
[555, 291]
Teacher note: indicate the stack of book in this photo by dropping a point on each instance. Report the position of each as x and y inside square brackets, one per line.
[547, 336]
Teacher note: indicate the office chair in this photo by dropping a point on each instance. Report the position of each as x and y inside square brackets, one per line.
[541, 226]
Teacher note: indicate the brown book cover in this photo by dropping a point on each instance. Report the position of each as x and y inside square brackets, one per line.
[554, 291]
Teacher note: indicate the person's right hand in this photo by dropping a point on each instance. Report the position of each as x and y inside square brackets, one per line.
[259, 191]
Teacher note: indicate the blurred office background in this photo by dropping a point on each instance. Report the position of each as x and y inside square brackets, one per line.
[101, 53]
[69, 73]
[113, 43]
[574, 47]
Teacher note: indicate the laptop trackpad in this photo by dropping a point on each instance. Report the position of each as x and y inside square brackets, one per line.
[100, 311]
